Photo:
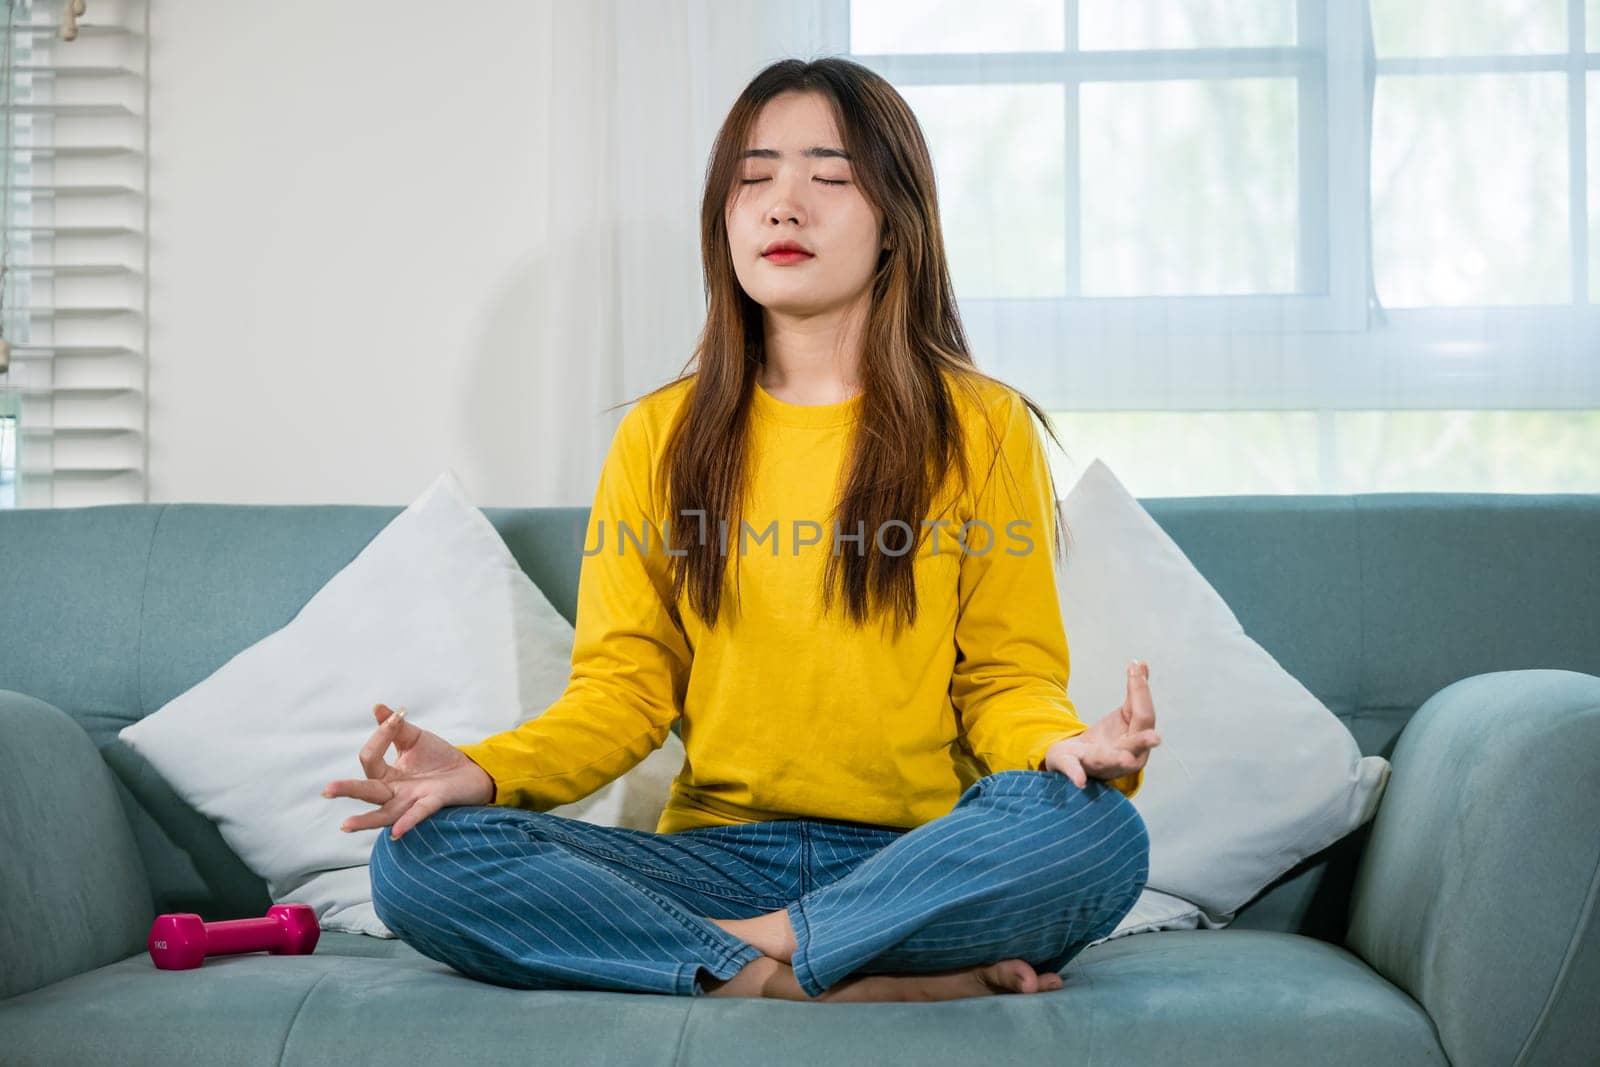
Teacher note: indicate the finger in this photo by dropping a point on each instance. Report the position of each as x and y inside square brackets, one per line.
[406, 731]
[371, 820]
[415, 814]
[1139, 741]
[372, 760]
[1074, 770]
[1142, 711]
[383, 713]
[1120, 761]
[369, 789]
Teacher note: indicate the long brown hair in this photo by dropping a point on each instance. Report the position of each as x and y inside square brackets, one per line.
[908, 438]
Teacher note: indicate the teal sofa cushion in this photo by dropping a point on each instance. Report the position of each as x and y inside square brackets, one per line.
[1479, 888]
[73, 891]
[1178, 996]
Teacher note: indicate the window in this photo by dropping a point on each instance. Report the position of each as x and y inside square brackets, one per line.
[1451, 227]
[1274, 245]
[1106, 160]
[75, 292]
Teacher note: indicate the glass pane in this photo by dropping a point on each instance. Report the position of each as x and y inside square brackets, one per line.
[1469, 451]
[896, 26]
[999, 161]
[1454, 28]
[1185, 23]
[1594, 185]
[1234, 452]
[1189, 187]
[8, 451]
[1191, 453]
[1593, 23]
[1470, 196]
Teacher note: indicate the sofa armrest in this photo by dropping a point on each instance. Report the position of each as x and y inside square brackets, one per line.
[73, 890]
[1477, 890]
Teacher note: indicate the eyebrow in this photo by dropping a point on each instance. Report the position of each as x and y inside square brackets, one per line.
[814, 152]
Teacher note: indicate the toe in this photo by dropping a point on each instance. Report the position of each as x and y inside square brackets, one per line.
[1019, 977]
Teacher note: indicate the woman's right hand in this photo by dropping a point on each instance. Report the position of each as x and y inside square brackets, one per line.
[428, 774]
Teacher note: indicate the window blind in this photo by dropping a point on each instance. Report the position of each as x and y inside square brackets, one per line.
[76, 284]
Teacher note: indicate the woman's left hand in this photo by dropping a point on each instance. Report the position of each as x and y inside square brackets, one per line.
[1118, 744]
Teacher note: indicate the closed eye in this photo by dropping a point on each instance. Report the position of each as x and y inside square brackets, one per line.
[824, 181]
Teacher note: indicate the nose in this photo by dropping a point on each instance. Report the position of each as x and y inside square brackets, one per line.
[785, 205]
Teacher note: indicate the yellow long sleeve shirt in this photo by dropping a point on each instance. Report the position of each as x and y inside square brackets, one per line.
[785, 712]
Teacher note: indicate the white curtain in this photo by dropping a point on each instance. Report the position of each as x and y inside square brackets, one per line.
[637, 90]
[1246, 246]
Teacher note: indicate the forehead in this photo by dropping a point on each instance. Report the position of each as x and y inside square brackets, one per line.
[794, 124]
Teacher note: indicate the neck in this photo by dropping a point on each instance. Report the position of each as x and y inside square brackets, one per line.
[813, 359]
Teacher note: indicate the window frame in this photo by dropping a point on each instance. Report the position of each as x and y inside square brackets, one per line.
[1336, 348]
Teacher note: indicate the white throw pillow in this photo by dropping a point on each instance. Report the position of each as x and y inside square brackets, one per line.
[435, 615]
[1155, 910]
[1253, 773]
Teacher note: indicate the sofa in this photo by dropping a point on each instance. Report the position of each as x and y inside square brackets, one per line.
[1457, 635]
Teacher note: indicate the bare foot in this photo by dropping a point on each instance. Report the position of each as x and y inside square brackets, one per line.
[1006, 976]
[771, 933]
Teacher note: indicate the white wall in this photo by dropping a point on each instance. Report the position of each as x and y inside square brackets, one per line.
[348, 246]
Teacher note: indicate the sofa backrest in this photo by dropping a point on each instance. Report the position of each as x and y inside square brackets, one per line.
[1373, 601]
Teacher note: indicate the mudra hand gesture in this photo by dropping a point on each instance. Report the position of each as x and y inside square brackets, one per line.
[1118, 744]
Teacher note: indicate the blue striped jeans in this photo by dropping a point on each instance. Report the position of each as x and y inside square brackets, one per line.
[1025, 865]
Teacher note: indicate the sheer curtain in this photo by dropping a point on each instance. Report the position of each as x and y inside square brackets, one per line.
[1235, 246]
[638, 90]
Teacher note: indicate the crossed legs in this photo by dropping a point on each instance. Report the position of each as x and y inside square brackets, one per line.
[1026, 867]
[1024, 872]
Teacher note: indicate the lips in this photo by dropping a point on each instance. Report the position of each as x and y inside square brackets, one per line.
[786, 257]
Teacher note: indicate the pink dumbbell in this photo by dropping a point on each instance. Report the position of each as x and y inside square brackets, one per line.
[180, 940]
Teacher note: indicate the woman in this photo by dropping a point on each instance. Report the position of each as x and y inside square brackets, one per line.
[885, 778]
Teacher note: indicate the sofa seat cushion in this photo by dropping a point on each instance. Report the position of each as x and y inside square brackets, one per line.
[326, 1008]
[1196, 997]
[1232, 996]
[1224, 997]
[340, 943]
